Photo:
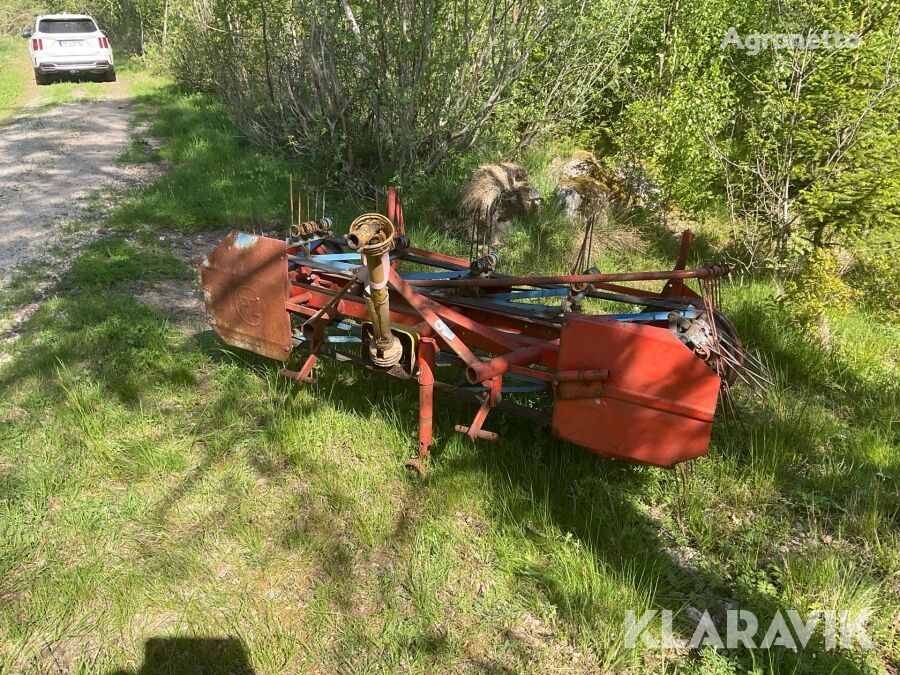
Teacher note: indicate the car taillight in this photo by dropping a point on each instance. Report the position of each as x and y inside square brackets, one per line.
[37, 44]
[104, 43]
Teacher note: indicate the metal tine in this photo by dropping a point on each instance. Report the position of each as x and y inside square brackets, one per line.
[758, 368]
[752, 371]
[748, 376]
[757, 360]
[730, 409]
[761, 379]
[730, 352]
[740, 374]
[727, 352]
[764, 364]
[748, 354]
[760, 372]
[732, 361]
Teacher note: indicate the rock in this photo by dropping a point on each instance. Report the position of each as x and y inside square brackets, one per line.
[641, 189]
[588, 188]
[582, 163]
[582, 196]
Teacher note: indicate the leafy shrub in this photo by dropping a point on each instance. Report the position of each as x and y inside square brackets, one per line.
[876, 275]
[815, 290]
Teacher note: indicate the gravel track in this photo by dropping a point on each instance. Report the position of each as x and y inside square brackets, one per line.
[51, 161]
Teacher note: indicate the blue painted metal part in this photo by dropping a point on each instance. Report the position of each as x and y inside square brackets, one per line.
[689, 313]
[536, 293]
[349, 333]
[514, 389]
[331, 257]
[306, 245]
[525, 378]
[518, 308]
[436, 275]
[337, 265]
[244, 240]
[333, 339]
[345, 266]
[327, 267]
[432, 262]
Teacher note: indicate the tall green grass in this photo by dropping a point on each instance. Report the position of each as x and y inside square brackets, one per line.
[14, 68]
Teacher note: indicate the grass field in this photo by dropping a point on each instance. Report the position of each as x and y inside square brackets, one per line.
[167, 500]
[14, 69]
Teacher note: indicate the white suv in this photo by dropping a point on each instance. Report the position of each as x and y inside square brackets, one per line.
[69, 44]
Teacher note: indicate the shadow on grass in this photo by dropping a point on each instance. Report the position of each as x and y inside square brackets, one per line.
[665, 240]
[193, 656]
[95, 325]
[76, 78]
[529, 478]
[823, 391]
[596, 501]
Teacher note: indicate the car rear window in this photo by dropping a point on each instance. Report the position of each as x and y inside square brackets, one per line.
[66, 26]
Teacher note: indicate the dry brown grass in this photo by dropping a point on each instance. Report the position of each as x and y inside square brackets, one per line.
[488, 186]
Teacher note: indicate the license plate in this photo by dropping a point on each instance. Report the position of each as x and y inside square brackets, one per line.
[71, 43]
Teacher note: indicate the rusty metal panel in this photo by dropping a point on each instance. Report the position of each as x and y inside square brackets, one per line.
[245, 285]
[655, 407]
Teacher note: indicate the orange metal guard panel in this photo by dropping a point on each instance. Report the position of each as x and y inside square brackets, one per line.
[245, 285]
[657, 405]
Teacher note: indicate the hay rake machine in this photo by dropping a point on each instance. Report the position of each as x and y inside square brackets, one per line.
[640, 385]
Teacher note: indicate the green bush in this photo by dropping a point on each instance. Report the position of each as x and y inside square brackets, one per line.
[815, 290]
[876, 275]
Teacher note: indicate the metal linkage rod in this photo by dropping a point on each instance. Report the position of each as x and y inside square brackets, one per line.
[713, 272]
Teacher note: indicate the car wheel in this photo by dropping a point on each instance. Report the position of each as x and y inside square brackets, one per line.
[110, 76]
[41, 78]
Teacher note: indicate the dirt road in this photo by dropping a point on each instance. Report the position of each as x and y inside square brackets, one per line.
[51, 161]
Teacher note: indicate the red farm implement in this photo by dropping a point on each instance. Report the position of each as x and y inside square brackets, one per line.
[640, 385]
